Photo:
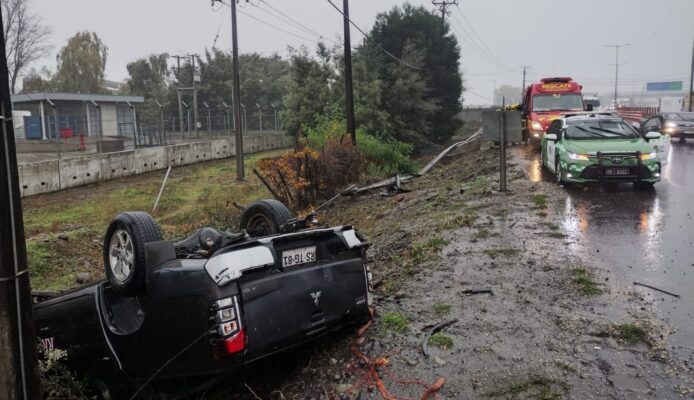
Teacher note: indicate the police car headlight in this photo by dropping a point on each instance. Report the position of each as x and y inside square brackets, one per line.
[649, 156]
[670, 125]
[536, 126]
[579, 157]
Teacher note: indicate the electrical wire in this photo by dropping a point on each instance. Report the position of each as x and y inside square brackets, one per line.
[401, 61]
[297, 23]
[474, 31]
[468, 90]
[276, 27]
[662, 24]
[474, 46]
[308, 31]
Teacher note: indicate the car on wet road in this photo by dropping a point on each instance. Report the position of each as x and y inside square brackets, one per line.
[599, 147]
[675, 124]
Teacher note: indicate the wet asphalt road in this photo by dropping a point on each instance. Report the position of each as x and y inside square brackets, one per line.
[642, 235]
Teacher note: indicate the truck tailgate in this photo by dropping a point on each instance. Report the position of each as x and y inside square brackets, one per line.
[291, 306]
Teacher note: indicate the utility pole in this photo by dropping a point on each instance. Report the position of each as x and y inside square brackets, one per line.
[19, 376]
[691, 80]
[196, 80]
[525, 67]
[237, 95]
[442, 6]
[178, 91]
[349, 92]
[616, 69]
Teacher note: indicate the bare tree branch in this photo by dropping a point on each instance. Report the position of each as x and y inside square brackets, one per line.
[25, 38]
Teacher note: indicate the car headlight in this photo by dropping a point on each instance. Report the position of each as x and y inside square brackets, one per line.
[536, 126]
[649, 156]
[670, 125]
[579, 157]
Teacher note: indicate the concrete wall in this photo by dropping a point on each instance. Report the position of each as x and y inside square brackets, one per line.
[472, 114]
[54, 175]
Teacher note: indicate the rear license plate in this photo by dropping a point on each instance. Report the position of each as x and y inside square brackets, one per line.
[616, 171]
[298, 256]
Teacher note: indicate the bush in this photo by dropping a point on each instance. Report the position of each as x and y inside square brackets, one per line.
[382, 157]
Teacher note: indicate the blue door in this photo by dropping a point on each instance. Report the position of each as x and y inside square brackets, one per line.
[32, 128]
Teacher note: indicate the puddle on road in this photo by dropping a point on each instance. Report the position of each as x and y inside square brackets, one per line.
[639, 235]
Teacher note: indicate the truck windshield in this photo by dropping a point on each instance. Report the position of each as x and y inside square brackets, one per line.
[605, 129]
[558, 102]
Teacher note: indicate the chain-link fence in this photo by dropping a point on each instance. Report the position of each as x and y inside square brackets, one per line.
[69, 129]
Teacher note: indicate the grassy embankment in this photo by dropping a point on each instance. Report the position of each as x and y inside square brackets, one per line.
[64, 230]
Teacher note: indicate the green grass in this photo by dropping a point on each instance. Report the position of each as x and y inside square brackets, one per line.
[539, 201]
[480, 185]
[442, 309]
[501, 252]
[426, 251]
[584, 280]
[195, 195]
[631, 333]
[556, 235]
[461, 221]
[535, 387]
[393, 321]
[441, 340]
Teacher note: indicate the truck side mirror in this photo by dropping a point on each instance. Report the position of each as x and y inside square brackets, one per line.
[589, 107]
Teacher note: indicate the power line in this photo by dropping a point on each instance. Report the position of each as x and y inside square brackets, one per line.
[276, 27]
[304, 29]
[475, 46]
[474, 31]
[476, 94]
[662, 24]
[297, 23]
[374, 42]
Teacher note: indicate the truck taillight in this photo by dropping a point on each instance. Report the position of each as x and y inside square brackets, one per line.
[227, 329]
[235, 343]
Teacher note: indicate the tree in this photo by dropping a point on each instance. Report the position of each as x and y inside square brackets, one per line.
[149, 76]
[311, 86]
[38, 81]
[25, 38]
[81, 64]
[439, 68]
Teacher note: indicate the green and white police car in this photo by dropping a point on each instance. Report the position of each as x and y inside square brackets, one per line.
[594, 147]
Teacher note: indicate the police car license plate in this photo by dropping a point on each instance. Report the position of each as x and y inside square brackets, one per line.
[616, 171]
[298, 256]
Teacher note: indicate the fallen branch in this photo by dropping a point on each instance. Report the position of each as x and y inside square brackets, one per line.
[262, 179]
[436, 328]
[655, 288]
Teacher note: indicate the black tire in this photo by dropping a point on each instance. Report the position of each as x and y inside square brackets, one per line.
[542, 159]
[137, 228]
[557, 171]
[265, 217]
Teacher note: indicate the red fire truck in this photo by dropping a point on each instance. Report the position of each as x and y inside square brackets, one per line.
[546, 101]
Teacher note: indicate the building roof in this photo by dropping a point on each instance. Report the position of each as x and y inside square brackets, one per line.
[99, 98]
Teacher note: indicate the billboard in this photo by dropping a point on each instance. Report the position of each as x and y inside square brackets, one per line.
[661, 86]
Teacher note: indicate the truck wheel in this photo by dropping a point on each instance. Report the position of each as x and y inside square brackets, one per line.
[124, 250]
[265, 217]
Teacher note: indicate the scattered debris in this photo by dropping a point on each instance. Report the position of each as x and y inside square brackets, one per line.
[478, 291]
[83, 277]
[435, 329]
[655, 288]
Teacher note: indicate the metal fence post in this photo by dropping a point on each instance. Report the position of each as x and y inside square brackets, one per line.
[502, 148]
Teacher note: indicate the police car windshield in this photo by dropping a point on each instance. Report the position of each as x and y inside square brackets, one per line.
[600, 129]
[557, 102]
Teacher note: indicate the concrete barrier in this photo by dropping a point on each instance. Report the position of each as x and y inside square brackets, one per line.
[50, 176]
[39, 177]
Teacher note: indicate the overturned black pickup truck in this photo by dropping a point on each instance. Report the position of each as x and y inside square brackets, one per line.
[193, 310]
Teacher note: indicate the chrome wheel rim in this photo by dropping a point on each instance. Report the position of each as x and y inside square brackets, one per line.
[121, 255]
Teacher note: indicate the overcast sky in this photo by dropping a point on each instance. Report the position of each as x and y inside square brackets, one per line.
[552, 37]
